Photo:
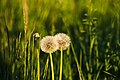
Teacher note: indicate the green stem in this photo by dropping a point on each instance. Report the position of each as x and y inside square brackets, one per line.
[75, 57]
[25, 66]
[52, 65]
[38, 65]
[60, 77]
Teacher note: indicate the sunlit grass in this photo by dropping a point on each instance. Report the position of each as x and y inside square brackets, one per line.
[93, 27]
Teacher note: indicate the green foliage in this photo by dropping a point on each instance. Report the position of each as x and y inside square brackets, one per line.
[94, 29]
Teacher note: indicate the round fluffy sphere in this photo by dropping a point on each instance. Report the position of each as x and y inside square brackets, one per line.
[48, 44]
[63, 40]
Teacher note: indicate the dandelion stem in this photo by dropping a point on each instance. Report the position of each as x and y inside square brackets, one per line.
[60, 77]
[52, 69]
[38, 64]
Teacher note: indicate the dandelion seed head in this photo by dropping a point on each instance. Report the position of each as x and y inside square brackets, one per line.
[48, 44]
[36, 36]
[63, 40]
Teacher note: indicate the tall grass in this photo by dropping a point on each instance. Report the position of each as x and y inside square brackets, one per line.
[94, 29]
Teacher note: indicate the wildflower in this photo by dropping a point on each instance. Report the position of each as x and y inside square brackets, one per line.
[48, 44]
[36, 36]
[63, 40]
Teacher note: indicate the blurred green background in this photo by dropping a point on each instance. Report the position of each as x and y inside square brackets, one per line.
[94, 29]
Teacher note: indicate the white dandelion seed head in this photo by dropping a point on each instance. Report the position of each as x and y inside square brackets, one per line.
[48, 44]
[63, 40]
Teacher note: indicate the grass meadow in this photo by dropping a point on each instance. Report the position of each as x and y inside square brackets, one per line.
[92, 25]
